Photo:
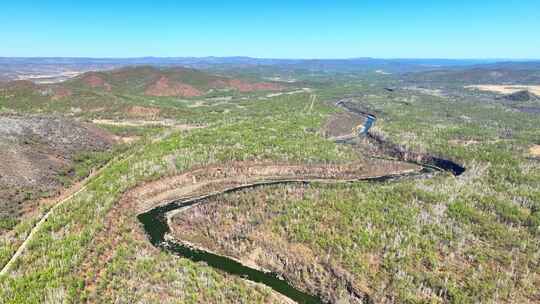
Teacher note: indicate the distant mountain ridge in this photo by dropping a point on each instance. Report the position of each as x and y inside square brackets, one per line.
[432, 71]
[497, 73]
[12, 68]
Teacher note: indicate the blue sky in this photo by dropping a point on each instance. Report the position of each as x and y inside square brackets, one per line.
[272, 29]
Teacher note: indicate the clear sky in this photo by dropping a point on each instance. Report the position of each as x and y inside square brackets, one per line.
[272, 28]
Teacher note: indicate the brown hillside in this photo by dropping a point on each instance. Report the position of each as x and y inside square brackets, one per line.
[60, 93]
[165, 87]
[95, 81]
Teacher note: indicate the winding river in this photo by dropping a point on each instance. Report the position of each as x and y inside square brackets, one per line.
[156, 226]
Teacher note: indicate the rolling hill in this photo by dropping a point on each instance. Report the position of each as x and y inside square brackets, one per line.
[176, 81]
[141, 80]
[114, 93]
[510, 73]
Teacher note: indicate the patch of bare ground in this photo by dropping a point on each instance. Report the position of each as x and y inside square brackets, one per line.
[303, 90]
[506, 89]
[196, 104]
[433, 92]
[244, 86]
[133, 122]
[166, 87]
[144, 123]
[126, 139]
[535, 150]
[144, 112]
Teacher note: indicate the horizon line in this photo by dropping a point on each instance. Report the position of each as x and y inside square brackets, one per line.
[276, 58]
